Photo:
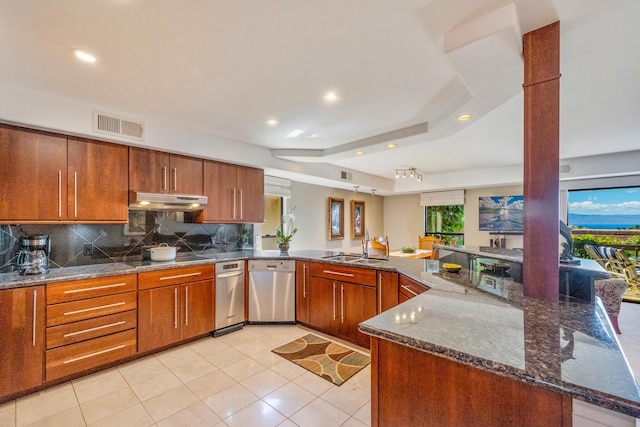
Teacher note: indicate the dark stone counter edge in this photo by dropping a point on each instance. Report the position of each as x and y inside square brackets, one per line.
[595, 397]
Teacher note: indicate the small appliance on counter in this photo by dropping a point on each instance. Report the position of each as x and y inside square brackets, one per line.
[33, 255]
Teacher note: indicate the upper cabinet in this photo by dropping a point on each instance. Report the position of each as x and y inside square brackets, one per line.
[49, 178]
[236, 193]
[157, 172]
[97, 181]
[33, 168]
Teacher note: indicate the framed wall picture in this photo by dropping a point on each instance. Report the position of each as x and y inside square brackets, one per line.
[336, 218]
[357, 219]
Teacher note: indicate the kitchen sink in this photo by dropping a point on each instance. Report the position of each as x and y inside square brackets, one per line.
[343, 258]
[352, 259]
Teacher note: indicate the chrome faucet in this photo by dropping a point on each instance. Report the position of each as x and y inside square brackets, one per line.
[365, 246]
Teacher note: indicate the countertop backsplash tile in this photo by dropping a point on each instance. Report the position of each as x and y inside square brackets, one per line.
[107, 243]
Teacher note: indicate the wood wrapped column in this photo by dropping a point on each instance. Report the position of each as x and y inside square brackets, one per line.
[541, 162]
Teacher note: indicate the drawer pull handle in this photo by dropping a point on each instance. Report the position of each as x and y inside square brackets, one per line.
[95, 288]
[178, 276]
[84, 310]
[337, 273]
[409, 290]
[97, 328]
[97, 353]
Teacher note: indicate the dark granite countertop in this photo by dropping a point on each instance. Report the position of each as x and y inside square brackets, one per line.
[483, 320]
[471, 317]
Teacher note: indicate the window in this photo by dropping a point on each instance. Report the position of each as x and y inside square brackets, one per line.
[445, 222]
[273, 208]
[604, 209]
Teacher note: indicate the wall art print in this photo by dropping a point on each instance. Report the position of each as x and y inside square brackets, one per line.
[336, 218]
[357, 219]
[501, 213]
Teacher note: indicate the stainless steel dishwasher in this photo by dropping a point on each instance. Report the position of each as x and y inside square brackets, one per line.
[229, 306]
[272, 291]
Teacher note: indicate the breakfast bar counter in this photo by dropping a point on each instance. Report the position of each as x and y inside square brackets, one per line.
[474, 335]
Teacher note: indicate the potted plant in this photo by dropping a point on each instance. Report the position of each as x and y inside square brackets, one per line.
[286, 232]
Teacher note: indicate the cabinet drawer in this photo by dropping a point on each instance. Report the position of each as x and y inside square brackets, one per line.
[174, 276]
[72, 333]
[86, 309]
[361, 276]
[410, 288]
[90, 288]
[67, 360]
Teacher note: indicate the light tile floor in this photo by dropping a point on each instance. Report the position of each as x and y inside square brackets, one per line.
[232, 380]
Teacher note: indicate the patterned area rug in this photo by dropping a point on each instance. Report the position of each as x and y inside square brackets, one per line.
[329, 360]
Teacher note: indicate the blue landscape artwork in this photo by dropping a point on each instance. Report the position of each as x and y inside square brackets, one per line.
[501, 213]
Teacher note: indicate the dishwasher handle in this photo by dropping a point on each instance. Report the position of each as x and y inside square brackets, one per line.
[231, 274]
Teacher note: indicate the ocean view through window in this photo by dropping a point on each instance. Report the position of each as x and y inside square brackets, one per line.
[604, 209]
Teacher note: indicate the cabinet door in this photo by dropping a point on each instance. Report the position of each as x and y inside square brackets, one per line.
[97, 184]
[324, 304]
[148, 170]
[302, 291]
[387, 290]
[220, 188]
[34, 175]
[357, 304]
[196, 314]
[22, 339]
[186, 175]
[158, 317]
[250, 194]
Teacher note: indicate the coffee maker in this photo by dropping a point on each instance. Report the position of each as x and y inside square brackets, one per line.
[33, 256]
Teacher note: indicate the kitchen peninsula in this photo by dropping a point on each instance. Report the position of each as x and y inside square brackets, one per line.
[468, 330]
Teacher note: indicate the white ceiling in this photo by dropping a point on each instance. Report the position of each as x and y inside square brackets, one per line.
[225, 67]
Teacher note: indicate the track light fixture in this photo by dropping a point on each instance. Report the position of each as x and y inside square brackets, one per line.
[411, 172]
[355, 188]
[373, 191]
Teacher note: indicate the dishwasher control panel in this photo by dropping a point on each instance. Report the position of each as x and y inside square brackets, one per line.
[272, 265]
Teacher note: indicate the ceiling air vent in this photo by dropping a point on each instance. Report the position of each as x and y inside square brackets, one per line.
[347, 176]
[566, 169]
[117, 126]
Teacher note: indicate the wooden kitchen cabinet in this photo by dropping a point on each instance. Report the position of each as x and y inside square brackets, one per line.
[22, 318]
[409, 288]
[97, 186]
[387, 290]
[238, 192]
[157, 172]
[302, 292]
[33, 167]
[341, 297]
[174, 305]
[90, 323]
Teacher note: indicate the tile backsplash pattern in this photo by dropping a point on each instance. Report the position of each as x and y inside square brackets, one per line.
[84, 244]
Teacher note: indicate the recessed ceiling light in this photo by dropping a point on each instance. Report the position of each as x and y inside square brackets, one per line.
[85, 56]
[308, 159]
[391, 145]
[331, 96]
[359, 153]
[272, 122]
[312, 136]
[295, 133]
[464, 117]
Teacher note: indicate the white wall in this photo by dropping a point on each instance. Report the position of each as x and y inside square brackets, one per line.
[312, 217]
[403, 220]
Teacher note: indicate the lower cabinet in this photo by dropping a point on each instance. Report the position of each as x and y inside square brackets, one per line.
[90, 323]
[21, 339]
[174, 313]
[302, 292]
[409, 288]
[337, 307]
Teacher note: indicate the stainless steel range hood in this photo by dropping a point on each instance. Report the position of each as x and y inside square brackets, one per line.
[139, 200]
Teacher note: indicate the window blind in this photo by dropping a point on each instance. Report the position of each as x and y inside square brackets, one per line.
[442, 198]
